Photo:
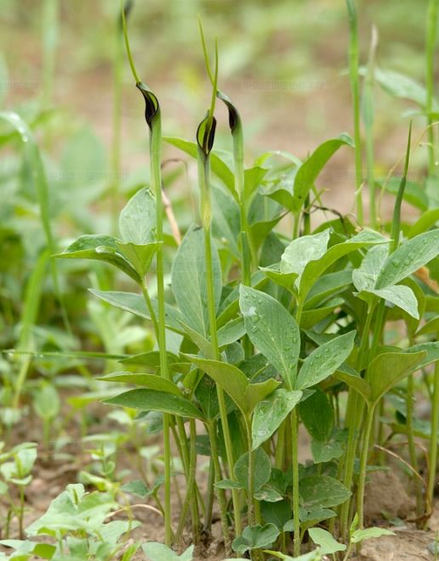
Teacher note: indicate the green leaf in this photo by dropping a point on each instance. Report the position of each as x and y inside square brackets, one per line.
[311, 556]
[331, 449]
[139, 256]
[277, 513]
[137, 488]
[362, 535]
[137, 222]
[261, 469]
[235, 383]
[152, 400]
[322, 491]
[355, 381]
[272, 330]
[302, 251]
[255, 537]
[150, 381]
[46, 402]
[424, 222]
[189, 280]
[99, 248]
[365, 277]
[401, 86]
[232, 380]
[159, 552]
[325, 360]
[270, 413]
[226, 224]
[328, 545]
[387, 369]
[253, 178]
[219, 168]
[317, 415]
[431, 350]
[401, 296]
[135, 304]
[408, 258]
[315, 269]
[309, 171]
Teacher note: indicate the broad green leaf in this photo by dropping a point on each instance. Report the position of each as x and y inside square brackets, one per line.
[219, 168]
[47, 402]
[255, 537]
[317, 415]
[328, 545]
[277, 513]
[315, 269]
[231, 332]
[270, 413]
[189, 280]
[325, 360]
[331, 449]
[327, 286]
[139, 256]
[309, 171]
[137, 222]
[355, 381]
[362, 535]
[401, 86]
[252, 179]
[261, 469]
[431, 326]
[159, 552]
[152, 400]
[408, 258]
[135, 304]
[431, 350]
[226, 224]
[322, 491]
[150, 381]
[232, 380]
[302, 250]
[311, 556]
[99, 248]
[365, 277]
[272, 330]
[235, 383]
[309, 318]
[401, 296]
[387, 369]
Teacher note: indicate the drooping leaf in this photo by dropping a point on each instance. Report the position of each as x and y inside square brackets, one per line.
[135, 304]
[270, 413]
[325, 360]
[139, 256]
[303, 250]
[401, 296]
[272, 330]
[99, 248]
[189, 280]
[150, 381]
[408, 258]
[152, 400]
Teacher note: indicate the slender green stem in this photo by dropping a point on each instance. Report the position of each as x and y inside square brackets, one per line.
[368, 117]
[431, 39]
[219, 492]
[355, 90]
[206, 212]
[250, 475]
[411, 442]
[433, 451]
[363, 464]
[50, 41]
[117, 123]
[156, 184]
[296, 486]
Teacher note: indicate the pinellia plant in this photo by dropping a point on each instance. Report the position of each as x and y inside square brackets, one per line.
[270, 323]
